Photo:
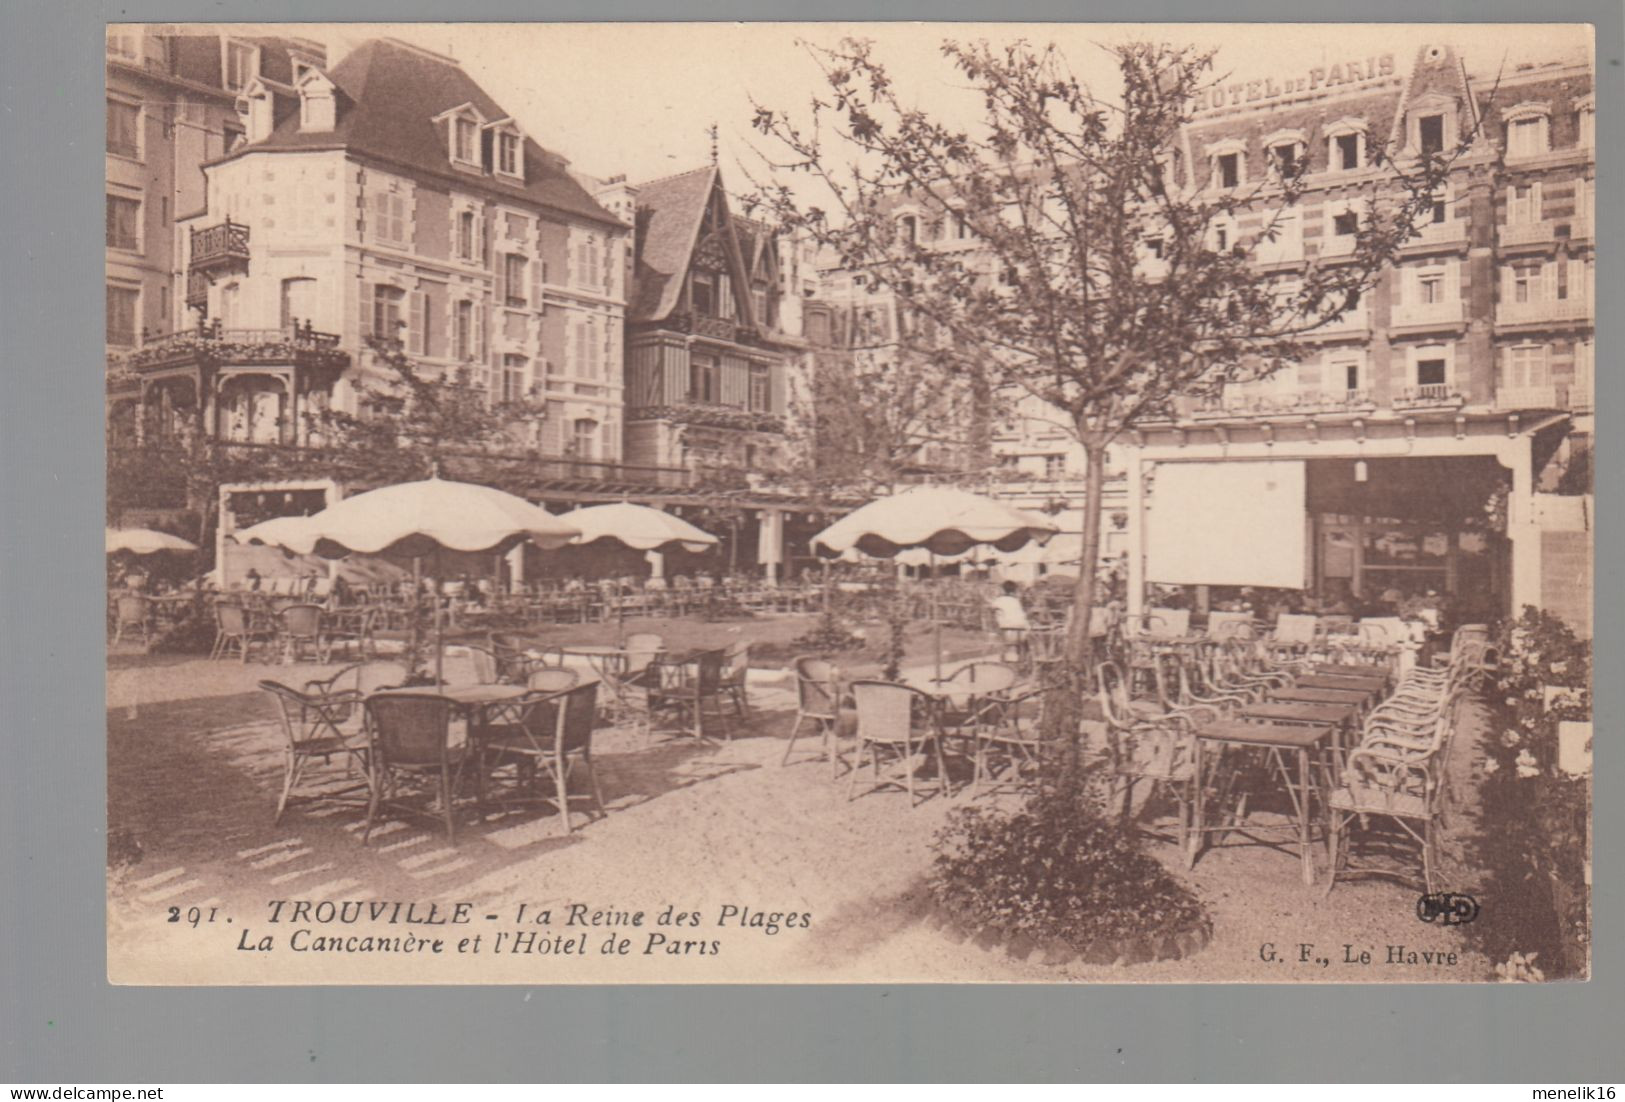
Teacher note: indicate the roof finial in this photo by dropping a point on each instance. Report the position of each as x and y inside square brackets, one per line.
[713, 133]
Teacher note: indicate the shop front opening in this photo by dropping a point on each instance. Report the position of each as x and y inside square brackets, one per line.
[1392, 531]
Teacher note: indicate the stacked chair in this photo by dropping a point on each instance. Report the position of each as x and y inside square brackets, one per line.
[1399, 770]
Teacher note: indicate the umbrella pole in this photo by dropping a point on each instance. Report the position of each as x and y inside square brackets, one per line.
[936, 620]
[414, 641]
[439, 641]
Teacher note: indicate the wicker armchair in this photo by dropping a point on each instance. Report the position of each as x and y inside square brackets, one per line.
[895, 722]
[818, 699]
[314, 741]
[545, 737]
[410, 746]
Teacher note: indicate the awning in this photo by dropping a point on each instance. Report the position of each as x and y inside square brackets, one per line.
[1228, 523]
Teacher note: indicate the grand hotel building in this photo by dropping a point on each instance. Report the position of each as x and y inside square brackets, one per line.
[1439, 436]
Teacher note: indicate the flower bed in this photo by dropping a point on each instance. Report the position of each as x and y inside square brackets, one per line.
[1536, 819]
[1061, 877]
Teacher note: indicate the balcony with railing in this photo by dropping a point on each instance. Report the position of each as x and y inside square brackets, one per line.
[1450, 312]
[1429, 396]
[1576, 309]
[1299, 403]
[219, 247]
[705, 325]
[708, 415]
[213, 345]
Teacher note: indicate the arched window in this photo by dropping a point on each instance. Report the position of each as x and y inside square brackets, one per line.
[1287, 151]
[1345, 145]
[1528, 130]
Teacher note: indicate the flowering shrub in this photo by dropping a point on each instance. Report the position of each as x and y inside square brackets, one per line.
[829, 636]
[1057, 869]
[1536, 820]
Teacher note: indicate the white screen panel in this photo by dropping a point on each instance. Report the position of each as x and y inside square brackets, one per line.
[1239, 523]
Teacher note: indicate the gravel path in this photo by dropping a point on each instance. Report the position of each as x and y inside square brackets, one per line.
[194, 763]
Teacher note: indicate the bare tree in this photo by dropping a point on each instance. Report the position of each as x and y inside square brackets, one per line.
[1065, 244]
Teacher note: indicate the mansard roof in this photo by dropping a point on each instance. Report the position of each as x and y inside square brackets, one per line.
[388, 97]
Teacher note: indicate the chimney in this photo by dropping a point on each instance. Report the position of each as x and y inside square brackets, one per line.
[618, 197]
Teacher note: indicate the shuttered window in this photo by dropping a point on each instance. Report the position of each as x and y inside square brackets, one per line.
[389, 218]
[513, 277]
[417, 327]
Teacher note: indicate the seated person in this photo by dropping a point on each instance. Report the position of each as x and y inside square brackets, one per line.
[1011, 619]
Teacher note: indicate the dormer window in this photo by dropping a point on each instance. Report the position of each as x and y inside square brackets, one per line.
[1227, 164]
[316, 104]
[508, 161]
[240, 65]
[1527, 131]
[465, 141]
[1345, 145]
[1430, 134]
[908, 228]
[1286, 154]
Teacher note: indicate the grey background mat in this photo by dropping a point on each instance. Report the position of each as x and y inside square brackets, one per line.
[61, 1023]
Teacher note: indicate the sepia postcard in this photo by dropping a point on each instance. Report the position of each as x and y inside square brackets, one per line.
[814, 503]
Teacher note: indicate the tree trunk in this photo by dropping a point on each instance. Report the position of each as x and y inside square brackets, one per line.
[1077, 677]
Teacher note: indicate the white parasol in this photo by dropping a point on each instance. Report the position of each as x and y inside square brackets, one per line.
[940, 519]
[144, 541]
[638, 527]
[418, 519]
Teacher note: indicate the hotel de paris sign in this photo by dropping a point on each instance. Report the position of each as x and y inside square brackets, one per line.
[1321, 79]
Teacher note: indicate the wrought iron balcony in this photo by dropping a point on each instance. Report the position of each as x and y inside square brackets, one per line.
[211, 344]
[218, 247]
[1429, 396]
